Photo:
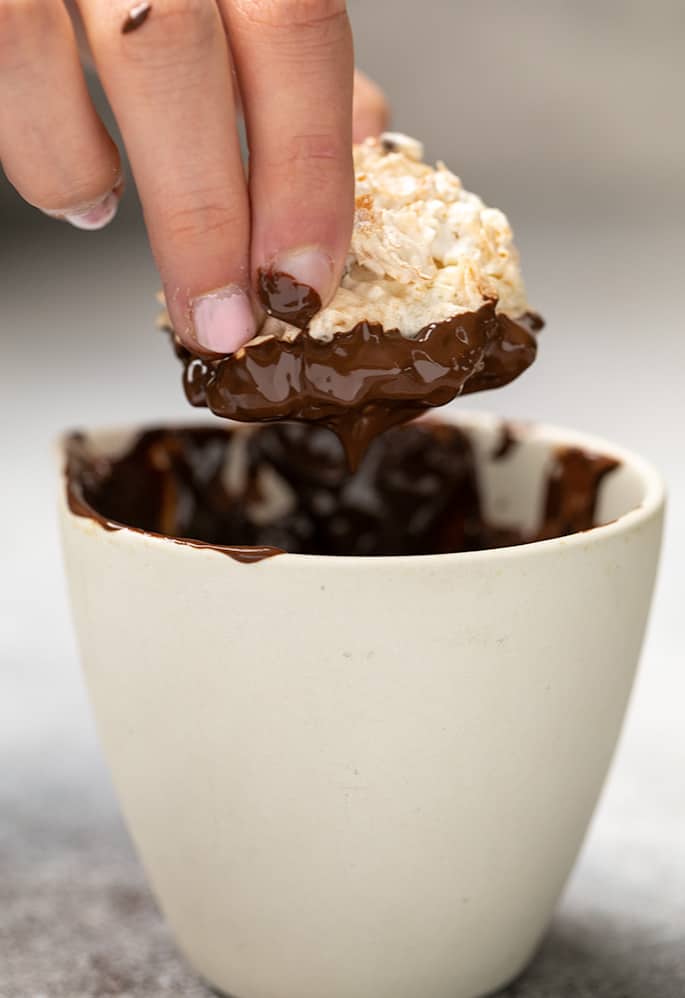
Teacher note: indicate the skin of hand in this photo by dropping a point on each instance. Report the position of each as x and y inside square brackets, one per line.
[175, 84]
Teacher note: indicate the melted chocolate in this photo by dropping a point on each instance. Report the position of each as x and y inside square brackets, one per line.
[573, 477]
[507, 443]
[286, 299]
[257, 492]
[365, 380]
[166, 485]
[136, 17]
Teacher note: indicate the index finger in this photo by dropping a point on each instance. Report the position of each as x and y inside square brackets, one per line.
[295, 64]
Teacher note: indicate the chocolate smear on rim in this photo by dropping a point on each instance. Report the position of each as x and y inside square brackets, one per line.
[255, 492]
[166, 485]
[287, 299]
[574, 476]
[365, 380]
[136, 17]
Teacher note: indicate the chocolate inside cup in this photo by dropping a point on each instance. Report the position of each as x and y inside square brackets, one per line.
[253, 492]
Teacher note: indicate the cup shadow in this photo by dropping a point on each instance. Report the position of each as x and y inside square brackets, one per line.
[599, 955]
[605, 955]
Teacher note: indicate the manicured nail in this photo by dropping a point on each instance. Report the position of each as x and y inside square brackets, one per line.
[295, 284]
[94, 216]
[223, 320]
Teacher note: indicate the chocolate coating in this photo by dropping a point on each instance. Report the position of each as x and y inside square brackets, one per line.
[415, 492]
[286, 299]
[365, 380]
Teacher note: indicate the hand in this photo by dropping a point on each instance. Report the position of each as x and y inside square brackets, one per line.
[174, 84]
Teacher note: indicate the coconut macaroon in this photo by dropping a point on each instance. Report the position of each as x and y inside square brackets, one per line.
[423, 249]
[431, 305]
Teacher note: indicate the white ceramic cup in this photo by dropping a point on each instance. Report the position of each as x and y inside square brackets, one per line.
[368, 778]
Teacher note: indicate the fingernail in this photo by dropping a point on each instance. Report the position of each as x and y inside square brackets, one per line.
[95, 216]
[295, 284]
[223, 320]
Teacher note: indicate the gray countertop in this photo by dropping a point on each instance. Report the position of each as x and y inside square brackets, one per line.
[77, 921]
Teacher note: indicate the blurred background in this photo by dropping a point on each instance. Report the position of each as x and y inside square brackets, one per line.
[568, 115]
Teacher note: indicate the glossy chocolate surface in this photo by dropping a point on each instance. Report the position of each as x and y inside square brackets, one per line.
[286, 299]
[366, 380]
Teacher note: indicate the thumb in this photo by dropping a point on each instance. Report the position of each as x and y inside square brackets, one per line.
[370, 110]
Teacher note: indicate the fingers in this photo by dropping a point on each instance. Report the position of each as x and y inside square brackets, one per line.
[170, 86]
[294, 61]
[53, 146]
[371, 111]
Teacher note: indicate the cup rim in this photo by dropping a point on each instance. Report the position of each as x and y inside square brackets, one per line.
[652, 503]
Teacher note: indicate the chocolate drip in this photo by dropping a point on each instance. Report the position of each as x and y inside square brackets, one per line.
[286, 299]
[415, 492]
[365, 380]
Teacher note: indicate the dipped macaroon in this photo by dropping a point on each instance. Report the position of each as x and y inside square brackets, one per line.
[431, 305]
